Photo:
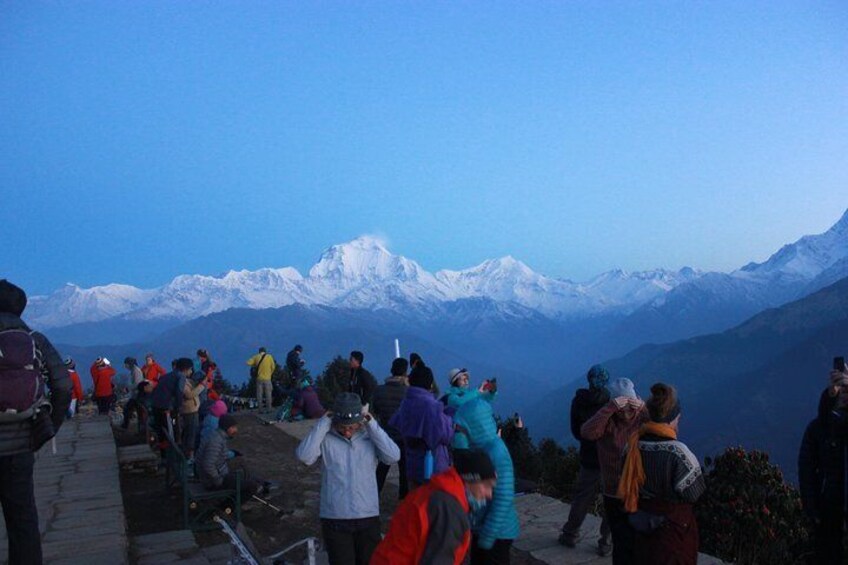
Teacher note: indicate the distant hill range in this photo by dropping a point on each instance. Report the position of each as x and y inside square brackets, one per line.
[536, 334]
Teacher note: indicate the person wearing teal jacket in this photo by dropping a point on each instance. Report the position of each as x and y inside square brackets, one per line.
[460, 392]
[494, 526]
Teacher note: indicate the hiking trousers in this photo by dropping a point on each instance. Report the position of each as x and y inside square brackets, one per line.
[17, 497]
[264, 392]
[585, 494]
[383, 472]
[351, 542]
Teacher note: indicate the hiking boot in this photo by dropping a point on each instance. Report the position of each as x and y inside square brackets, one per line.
[568, 539]
[604, 547]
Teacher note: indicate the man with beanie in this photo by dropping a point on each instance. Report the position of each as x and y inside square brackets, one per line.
[212, 460]
[361, 381]
[426, 429]
[586, 402]
[31, 425]
[494, 527]
[387, 399]
[431, 525]
[350, 445]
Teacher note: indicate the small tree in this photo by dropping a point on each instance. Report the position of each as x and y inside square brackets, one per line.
[748, 514]
[559, 469]
[525, 456]
[333, 380]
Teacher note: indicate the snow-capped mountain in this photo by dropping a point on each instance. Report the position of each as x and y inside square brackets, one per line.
[359, 274]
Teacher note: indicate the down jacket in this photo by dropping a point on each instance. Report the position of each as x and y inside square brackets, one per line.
[212, 459]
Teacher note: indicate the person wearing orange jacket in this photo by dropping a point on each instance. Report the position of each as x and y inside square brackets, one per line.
[152, 370]
[104, 392]
[431, 524]
[76, 391]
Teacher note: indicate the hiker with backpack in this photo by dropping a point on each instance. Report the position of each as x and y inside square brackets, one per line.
[350, 443]
[426, 429]
[262, 367]
[102, 372]
[28, 360]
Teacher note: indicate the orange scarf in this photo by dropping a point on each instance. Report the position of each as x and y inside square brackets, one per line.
[633, 474]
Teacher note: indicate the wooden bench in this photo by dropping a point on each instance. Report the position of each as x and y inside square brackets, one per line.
[199, 503]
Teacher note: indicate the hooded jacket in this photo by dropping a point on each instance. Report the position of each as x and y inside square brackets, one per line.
[422, 422]
[586, 402]
[15, 437]
[430, 526]
[348, 484]
[821, 459]
[497, 520]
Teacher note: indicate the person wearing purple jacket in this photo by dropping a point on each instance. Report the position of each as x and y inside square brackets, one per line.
[306, 402]
[422, 422]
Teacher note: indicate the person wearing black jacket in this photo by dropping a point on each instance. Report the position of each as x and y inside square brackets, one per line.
[822, 472]
[18, 438]
[586, 402]
[295, 365]
[361, 381]
[387, 399]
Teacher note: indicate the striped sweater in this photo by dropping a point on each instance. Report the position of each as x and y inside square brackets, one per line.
[611, 431]
[672, 472]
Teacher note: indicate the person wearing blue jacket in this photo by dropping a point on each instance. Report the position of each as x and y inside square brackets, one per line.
[494, 526]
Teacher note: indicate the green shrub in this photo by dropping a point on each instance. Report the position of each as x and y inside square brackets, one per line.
[559, 469]
[749, 515]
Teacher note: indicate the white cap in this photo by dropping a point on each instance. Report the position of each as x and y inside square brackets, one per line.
[106, 361]
[454, 373]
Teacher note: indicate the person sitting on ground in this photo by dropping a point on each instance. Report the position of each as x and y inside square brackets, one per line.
[350, 445]
[212, 467]
[426, 429]
[387, 399]
[152, 370]
[431, 525]
[823, 472]
[662, 478]
[306, 405]
[611, 428]
[460, 390]
[262, 365]
[495, 527]
[210, 422]
[140, 404]
[77, 394]
[104, 391]
[361, 382]
[586, 402]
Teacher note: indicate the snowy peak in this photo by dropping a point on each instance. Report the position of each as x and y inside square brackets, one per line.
[72, 304]
[364, 258]
[805, 259]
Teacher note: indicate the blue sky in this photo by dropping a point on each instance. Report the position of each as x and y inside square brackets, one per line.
[141, 140]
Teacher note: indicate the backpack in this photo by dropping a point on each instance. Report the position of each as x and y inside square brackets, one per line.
[21, 381]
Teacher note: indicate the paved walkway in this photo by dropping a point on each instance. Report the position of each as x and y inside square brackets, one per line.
[541, 518]
[78, 494]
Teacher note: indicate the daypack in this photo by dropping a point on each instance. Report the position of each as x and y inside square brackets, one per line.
[21, 383]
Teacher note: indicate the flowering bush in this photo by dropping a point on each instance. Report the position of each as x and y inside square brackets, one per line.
[749, 514]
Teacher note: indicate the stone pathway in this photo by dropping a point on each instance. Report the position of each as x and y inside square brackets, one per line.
[78, 495]
[177, 546]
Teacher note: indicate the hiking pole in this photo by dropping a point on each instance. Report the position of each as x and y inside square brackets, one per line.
[279, 511]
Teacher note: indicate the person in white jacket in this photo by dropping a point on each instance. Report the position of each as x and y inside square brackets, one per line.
[351, 444]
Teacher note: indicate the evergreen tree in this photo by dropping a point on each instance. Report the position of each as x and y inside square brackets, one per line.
[333, 380]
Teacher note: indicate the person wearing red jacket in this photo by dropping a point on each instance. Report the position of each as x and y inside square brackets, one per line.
[431, 524]
[104, 392]
[152, 370]
[76, 391]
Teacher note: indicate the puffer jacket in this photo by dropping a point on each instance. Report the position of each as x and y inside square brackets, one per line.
[348, 486]
[430, 525]
[386, 401]
[586, 403]
[15, 437]
[457, 396]
[497, 520]
[422, 422]
[821, 460]
[212, 459]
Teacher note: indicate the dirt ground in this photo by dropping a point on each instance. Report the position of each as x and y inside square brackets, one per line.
[268, 453]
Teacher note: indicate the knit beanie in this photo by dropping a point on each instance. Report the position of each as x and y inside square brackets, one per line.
[473, 465]
[226, 422]
[598, 377]
[12, 298]
[622, 387]
[421, 377]
[218, 408]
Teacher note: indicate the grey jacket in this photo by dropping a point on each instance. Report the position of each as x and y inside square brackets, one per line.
[212, 459]
[348, 487]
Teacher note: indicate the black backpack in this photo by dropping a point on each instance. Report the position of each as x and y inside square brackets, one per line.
[21, 381]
